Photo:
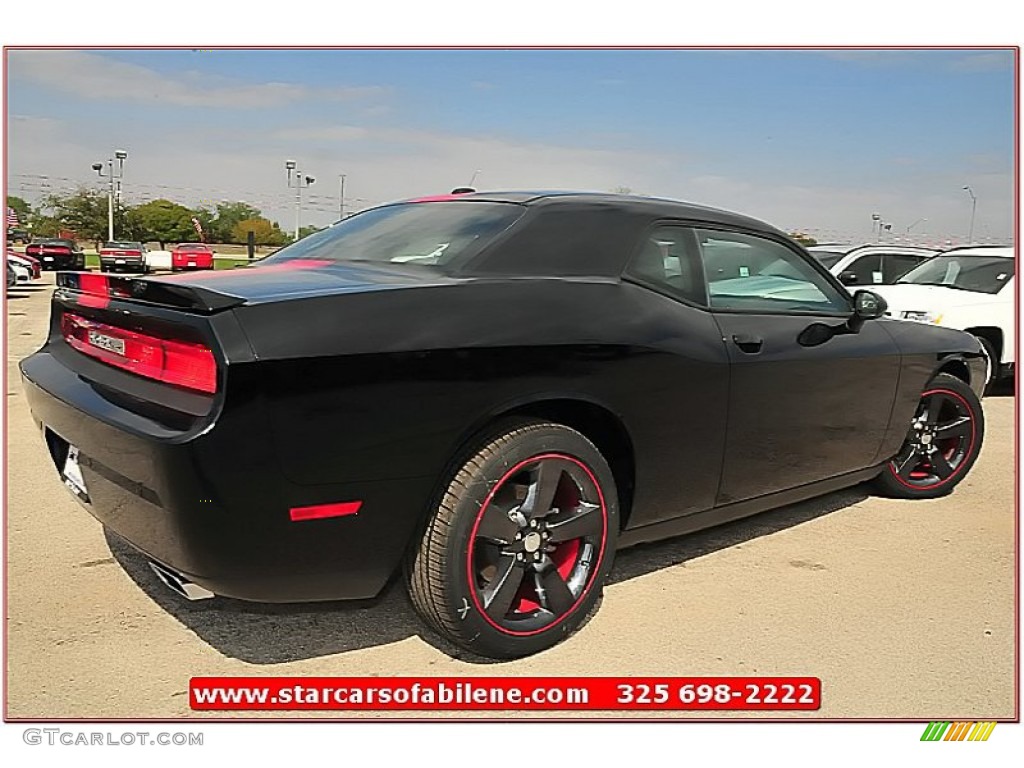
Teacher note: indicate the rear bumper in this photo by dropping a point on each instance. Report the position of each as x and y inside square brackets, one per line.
[191, 262]
[52, 261]
[125, 265]
[213, 505]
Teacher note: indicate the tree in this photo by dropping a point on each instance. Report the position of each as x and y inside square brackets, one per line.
[265, 232]
[163, 221]
[308, 230]
[222, 227]
[206, 217]
[84, 212]
[21, 208]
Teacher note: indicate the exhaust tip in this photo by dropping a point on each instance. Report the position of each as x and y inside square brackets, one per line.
[179, 584]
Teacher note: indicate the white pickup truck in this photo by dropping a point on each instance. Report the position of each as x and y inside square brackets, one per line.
[970, 289]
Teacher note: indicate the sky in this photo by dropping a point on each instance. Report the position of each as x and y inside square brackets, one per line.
[809, 140]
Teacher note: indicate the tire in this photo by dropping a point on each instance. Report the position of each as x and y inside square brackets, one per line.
[942, 444]
[499, 579]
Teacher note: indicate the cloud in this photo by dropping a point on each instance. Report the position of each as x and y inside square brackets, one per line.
[992, 61]
[873, 57]
[203, 163]
[325, 133]
[964, 61]
[94, 77]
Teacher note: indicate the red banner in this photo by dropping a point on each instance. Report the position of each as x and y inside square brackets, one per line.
[561, 694]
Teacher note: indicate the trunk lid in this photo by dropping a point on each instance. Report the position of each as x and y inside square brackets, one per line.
[292, 279]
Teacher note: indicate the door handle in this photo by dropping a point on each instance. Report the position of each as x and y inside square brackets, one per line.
[749, 344]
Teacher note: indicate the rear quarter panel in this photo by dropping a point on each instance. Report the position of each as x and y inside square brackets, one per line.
[388, 385]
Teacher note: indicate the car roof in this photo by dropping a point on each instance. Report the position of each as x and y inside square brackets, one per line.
[652, 205]
[870, 248]
[1003, 251]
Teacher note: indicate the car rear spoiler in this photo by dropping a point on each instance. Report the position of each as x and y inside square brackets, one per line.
[97, 290]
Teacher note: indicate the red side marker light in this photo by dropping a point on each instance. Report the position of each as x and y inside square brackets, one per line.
[320, 511]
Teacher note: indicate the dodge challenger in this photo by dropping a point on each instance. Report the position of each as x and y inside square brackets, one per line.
[488, 394]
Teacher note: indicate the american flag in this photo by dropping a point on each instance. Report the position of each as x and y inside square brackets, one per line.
[12, 217]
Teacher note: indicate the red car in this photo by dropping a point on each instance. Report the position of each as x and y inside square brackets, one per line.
[191, 256]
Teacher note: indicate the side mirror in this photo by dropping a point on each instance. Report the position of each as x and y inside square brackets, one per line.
[866, 306]
[848, 278]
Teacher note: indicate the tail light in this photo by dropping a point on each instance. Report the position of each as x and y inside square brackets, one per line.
[181, 363]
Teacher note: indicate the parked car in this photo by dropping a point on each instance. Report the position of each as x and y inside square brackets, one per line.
[57, 253]
[866, 265]
[29, 262]
[22, 272]
[495, 390]
[123, 256]
[18, 236]
[970, 289]
[191, 256]
[12, 277]
[158, 259]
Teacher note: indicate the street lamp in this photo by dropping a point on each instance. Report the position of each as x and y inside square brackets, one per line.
[300, 181]
[915, 224]
[974, 209]
[112, 178]
[876, 219]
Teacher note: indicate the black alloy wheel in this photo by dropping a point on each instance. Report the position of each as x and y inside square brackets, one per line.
[942, 443]
[513, 559]
[533, 549]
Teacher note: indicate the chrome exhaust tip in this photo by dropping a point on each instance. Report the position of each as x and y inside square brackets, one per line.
[179, 584]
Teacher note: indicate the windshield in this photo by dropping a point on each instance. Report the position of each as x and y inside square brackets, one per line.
[426, 234]
[985, 274]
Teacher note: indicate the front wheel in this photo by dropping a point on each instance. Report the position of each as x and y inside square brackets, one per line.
[515, 555]
[942, 444]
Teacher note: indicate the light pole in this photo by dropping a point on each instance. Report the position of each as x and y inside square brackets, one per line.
[974, 209]
[120, 155]
[300, 182]
[341, 196]
[915, 224]
[876, 220]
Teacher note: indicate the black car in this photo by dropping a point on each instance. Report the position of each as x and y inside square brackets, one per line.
[57, 253]
[495, 390]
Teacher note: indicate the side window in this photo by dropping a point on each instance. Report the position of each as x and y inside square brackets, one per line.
[867, 270]
[745, 272]
[668, 261]
[897, 264]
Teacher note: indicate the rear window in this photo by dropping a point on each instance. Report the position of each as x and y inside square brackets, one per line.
[123, 245]
[424, 234]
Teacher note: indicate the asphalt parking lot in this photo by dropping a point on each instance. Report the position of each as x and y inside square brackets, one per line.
[903, 609]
